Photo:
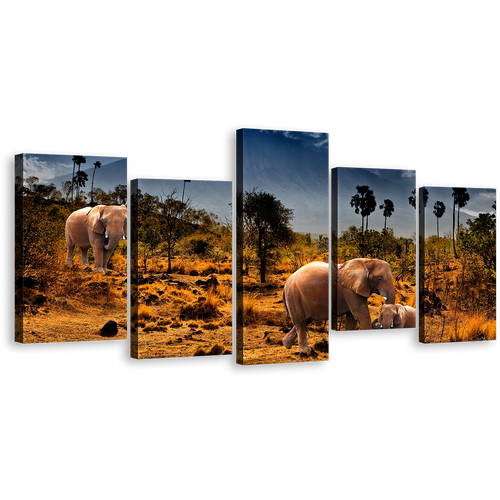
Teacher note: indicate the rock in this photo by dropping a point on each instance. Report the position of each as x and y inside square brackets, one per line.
[210, 283]
[216, 350]
[39, 299]
[110, 329]
[151, 298]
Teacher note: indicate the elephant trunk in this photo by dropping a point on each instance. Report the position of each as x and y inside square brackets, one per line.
[112, 237]
[391, 296]
[376, 325]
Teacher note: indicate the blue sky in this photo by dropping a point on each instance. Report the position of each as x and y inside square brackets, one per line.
[393, 184]
[213, 196]
[45, 167]
[481, 200]
[294, 167]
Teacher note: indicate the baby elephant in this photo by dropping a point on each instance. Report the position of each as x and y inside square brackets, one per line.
[396, 316]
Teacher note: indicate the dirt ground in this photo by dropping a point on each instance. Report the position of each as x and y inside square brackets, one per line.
[182, 315]
[266, 322]
[71, 305]
[445, 315]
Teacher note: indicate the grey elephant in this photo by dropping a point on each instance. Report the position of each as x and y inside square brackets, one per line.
[306, 294]
[101, 228]
[396, 316]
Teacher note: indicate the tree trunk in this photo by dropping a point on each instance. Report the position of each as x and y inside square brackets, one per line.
[92, 189]
[437, 220]
[453, 232]
[262, 256]
[72, 178]
[169, 255]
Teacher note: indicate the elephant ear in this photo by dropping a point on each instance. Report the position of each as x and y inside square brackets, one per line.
[401, 317]
[354, 274]
[94, 219]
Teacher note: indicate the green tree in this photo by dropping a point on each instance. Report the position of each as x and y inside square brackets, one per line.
[172, 223]
[149, 238]
[119, 195]
[480, 239]
[267, 225]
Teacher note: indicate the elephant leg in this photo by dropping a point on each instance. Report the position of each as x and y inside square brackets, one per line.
[85, 257]
[350, 322]
[290, 337]
[69, 256]
[302, 335]
[98, 260]
[364, 320]
[106, 256]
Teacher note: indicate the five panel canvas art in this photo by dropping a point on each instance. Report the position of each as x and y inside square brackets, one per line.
[302, 253]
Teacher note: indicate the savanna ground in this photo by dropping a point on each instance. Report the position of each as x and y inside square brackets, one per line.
[53, 302]
[187, 312]
[67, 304]
[449, 316]
[460, 295]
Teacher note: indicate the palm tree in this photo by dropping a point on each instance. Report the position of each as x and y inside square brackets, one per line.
[97, 164]
[363, 202]
[81, 159]
[183, 189]
[77, 160]
[460, 198]
[439, 210]
[412, 198]
[371, 205]
[388, 208]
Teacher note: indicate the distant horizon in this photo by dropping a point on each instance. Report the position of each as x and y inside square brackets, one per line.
[50, 166]
[387, 183]
[481, 201]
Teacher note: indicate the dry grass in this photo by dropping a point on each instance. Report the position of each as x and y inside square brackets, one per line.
[256, 312]
[471, 328]
[144, 312]
[196, 266]
[203, 309]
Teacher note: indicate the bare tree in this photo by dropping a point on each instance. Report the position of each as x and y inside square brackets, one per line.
[172, 220]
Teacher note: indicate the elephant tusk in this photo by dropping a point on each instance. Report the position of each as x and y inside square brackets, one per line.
[384, 297]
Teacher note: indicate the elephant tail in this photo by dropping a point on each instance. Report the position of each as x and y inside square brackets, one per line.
[284, 301]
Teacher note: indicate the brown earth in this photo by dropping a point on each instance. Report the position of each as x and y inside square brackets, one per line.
[266, 322]
[181, 315]
[70, 305]
[446, 315]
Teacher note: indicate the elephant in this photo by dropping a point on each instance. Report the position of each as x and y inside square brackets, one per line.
[306, 294]
[101, 228]
[396, 316]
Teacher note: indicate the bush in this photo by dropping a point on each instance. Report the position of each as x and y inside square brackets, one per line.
[43, 231]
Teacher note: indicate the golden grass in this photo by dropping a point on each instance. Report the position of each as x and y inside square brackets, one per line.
[254, 312]
[196, 266]
[144, 313]
[471, 328]
[203, 309]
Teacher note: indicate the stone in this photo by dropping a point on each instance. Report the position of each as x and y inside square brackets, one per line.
[110, 329]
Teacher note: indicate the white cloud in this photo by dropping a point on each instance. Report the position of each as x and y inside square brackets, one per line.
[44, 170]
[408, 174]
[319, 144]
